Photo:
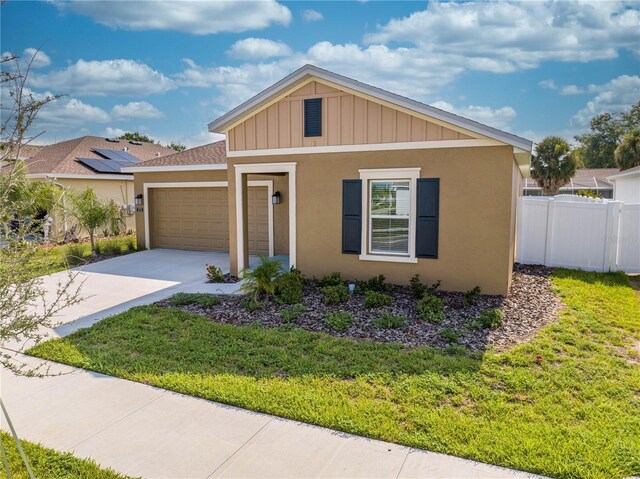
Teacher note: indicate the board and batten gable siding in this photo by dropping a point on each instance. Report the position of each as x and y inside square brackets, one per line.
[347, 119]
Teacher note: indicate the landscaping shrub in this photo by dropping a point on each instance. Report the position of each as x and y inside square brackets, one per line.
[374, 299]
[293, 312]
[131, 244]
[204, 300]
[262, 280]
[334, 279]
[252, 305]
[338, 321]
[335, 294]
[388, 320]
[471, 296]
[214, 274]
[377, 283]
[491, 318]
[430, 308]
[449, 335]
[419, 289]
[109, 247]
[289, 288]
[74, 254]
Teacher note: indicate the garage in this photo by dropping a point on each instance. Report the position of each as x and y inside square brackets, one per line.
[197, 218]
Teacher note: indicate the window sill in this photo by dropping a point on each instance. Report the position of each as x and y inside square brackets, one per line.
[389, 259]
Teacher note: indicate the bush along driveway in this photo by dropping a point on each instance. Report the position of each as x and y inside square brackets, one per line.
[564, 404]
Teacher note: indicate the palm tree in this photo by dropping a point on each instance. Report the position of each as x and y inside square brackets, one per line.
[627, 153]
[91, 213]
[552, 165]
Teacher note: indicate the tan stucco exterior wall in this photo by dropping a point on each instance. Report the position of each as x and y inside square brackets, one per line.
[347, 119]
[120, 191]
[477, 222]
[280, 212]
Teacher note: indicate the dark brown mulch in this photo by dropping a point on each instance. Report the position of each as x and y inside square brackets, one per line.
[530, 305]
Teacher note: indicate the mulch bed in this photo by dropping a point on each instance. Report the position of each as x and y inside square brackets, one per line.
[530, 305]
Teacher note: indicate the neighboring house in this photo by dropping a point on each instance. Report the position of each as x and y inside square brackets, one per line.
[594, 180]
[626, 185]
[26, 152]
[364, 182]
[82, 162]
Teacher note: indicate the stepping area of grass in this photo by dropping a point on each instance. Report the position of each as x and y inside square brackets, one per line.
[47, 463]
[565, 404]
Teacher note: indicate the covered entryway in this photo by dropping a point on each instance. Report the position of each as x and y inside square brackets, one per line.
[245, 212]
[195, 216]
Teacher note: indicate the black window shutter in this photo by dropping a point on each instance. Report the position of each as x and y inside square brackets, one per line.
[313, 117]
[351, 216]
[427, 217]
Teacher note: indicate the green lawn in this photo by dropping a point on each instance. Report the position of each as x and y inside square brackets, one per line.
[49, 464]
[574, 414]
[59, 258]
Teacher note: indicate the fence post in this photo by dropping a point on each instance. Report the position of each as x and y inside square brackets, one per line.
[612, 237]
[548, 245]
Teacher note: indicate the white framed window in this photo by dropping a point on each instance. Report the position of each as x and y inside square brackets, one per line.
[389, 214]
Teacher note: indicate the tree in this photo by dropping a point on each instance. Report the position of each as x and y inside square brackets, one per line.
[177, 146]
[91, 213]
[26, 306]
[627, 153]
[135, 136]
[552, 165]
[607, 130]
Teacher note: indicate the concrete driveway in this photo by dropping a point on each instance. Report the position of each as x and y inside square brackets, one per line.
[115, 285]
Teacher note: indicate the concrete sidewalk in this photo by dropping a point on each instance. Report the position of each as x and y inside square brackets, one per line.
[145, 431]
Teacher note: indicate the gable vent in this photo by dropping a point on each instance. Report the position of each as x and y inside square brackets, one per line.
[313, 117]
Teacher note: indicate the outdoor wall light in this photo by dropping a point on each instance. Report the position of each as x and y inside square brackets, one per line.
[275, 198]
[139, 199]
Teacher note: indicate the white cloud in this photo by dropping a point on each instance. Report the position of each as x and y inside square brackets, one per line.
[110, 132]
[39, 59]
[196, 17]
[548, 84]
[510, 36]
[106, 77]
[571, 90]
[499, 118]
[614, 96]
[136, 110]
[256, 48]
[69, 112]
[310, 15]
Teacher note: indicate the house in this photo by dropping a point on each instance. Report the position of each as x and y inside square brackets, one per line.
[594, 180]
[95, 162]
[626, 185]
[343, 176]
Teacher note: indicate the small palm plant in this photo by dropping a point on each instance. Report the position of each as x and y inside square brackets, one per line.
[263, 279]
[91, 213]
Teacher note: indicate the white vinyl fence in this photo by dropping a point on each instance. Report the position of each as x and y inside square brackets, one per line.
[578, 232]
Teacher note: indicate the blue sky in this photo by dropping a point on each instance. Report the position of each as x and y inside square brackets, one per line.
[167, 68]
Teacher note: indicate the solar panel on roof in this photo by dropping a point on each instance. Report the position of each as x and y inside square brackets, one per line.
[101, 166]
[118, 155]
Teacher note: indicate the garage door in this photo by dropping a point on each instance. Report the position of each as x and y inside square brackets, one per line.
[198, 219]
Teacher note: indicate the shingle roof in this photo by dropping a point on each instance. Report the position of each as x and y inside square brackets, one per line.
[211, 154]
[585, 178]
[61, 157]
